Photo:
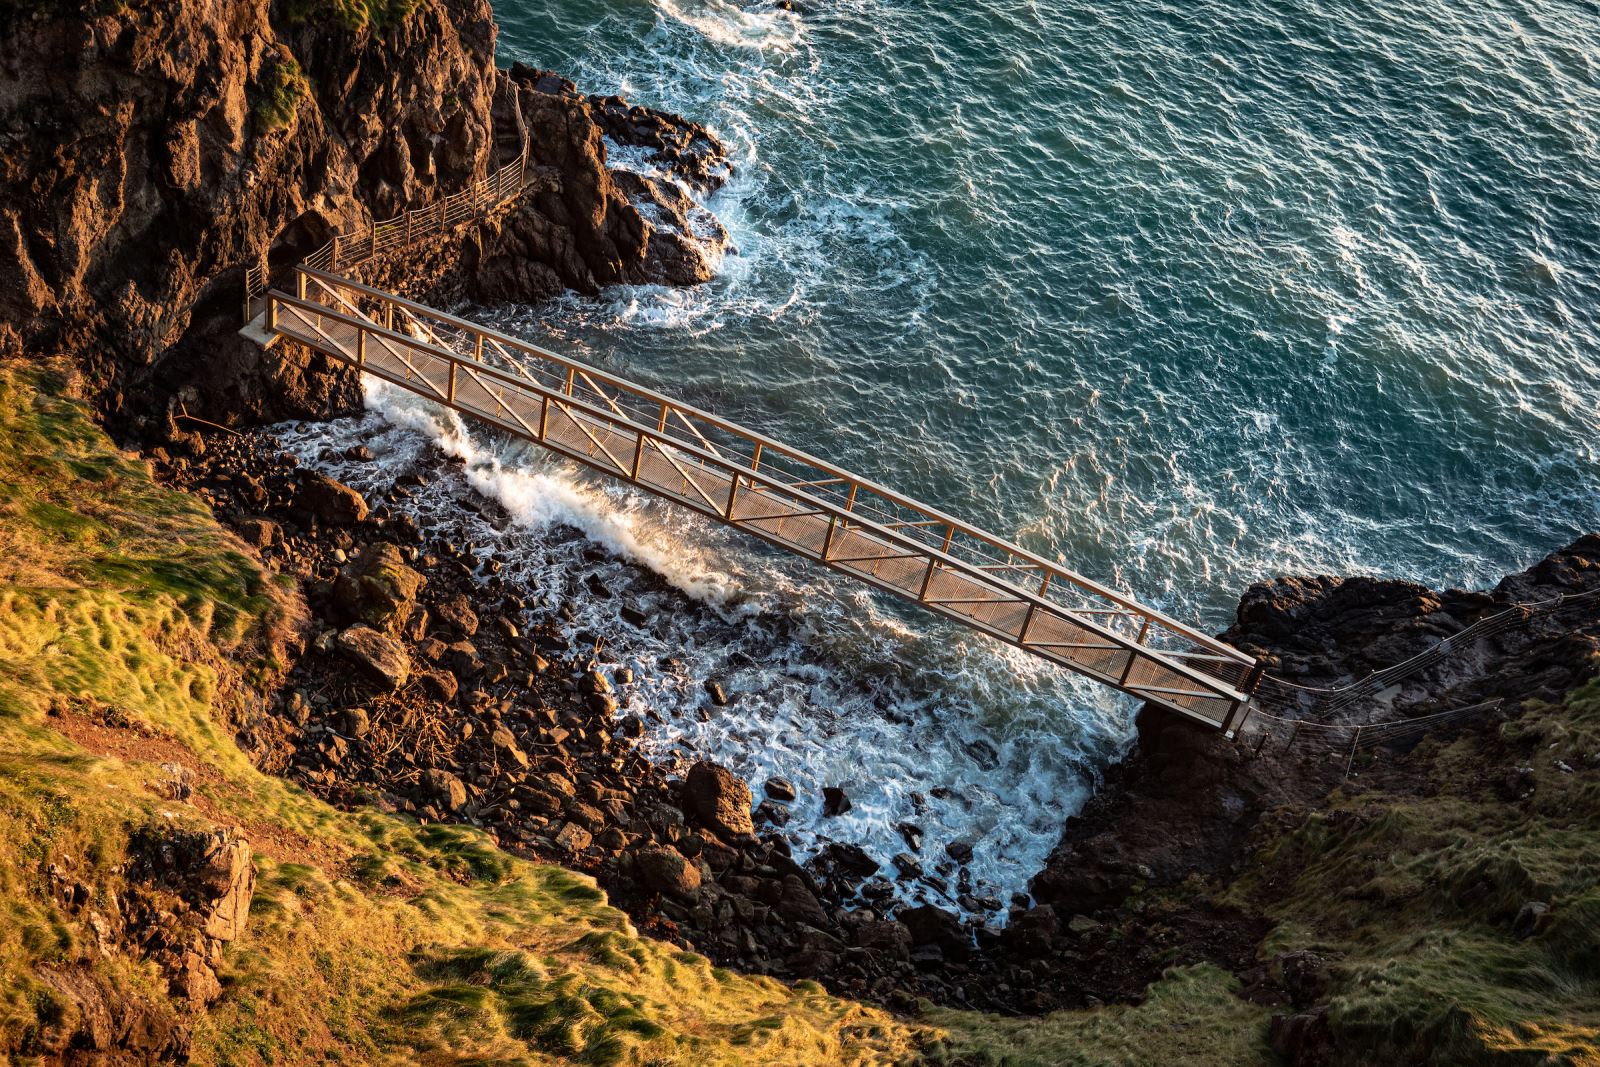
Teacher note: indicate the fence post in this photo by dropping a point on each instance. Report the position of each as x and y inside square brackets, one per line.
[333, 253]
[1355, 742]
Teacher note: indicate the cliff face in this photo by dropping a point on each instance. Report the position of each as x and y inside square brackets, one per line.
[1186, 800]
[150, 151]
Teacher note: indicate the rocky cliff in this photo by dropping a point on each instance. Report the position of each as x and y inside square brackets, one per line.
[150, 151]
[1186, 799]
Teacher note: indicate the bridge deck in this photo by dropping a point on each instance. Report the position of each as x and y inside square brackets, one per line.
[782, 495]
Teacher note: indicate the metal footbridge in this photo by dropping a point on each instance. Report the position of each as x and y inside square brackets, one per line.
[744, 479]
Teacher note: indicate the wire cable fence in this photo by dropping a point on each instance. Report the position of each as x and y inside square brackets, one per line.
[1287, 717]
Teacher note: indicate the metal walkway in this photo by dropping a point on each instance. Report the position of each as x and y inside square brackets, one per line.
[780, 494]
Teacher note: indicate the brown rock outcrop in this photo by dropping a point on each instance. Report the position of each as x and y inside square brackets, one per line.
[150, 152]
[719, 799]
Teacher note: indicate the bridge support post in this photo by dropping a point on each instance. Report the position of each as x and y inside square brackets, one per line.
[1241, 708]
[452, 385]
[638, 457]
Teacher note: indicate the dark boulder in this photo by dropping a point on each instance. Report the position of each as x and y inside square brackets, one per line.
[381, 660]
[665, 870]
[719, 799]
[333, 502]
[834, 801]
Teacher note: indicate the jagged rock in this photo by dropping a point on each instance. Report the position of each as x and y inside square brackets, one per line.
[381, 660]
[850, 858]
[440, 685]
[573, 838]
[665, 870]
[1030, 934]
[932, 925]
[780, 789]
[195, 981]
[260, 533]
[885, 936]
[378, 588]
[506, 747]
[719, 799]
[445, 788]
[456, 612]
[834, 801]
[799, 904]
[333, 502]
[587, 226]
[106, 1022]
[908, 866]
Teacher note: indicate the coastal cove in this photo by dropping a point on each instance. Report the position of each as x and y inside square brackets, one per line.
[337, 726]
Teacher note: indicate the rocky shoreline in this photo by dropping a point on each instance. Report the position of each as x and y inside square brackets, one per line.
[136, 187]
[423, 688]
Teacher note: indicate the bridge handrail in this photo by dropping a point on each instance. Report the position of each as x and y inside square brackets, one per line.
[767, 444]
[483, 196]
[1212, 682]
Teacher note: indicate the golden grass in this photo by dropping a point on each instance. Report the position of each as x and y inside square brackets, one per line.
[371, 939]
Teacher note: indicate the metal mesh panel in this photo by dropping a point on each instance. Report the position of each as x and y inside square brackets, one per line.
[787, 498]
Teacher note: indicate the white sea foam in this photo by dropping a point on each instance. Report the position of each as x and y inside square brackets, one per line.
[923, 724]
[538, 492]
[757, 26]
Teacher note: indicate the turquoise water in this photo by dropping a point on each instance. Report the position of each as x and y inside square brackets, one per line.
[1183, 295]
[1187, 294]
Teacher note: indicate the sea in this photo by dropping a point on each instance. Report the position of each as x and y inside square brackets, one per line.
[1185, 295]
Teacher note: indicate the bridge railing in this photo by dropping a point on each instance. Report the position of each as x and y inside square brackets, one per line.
[780, 493]
[349, 250]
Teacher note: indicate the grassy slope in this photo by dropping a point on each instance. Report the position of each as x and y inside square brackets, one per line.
[370, 938]
[1191, 1017]
[1417, 895]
